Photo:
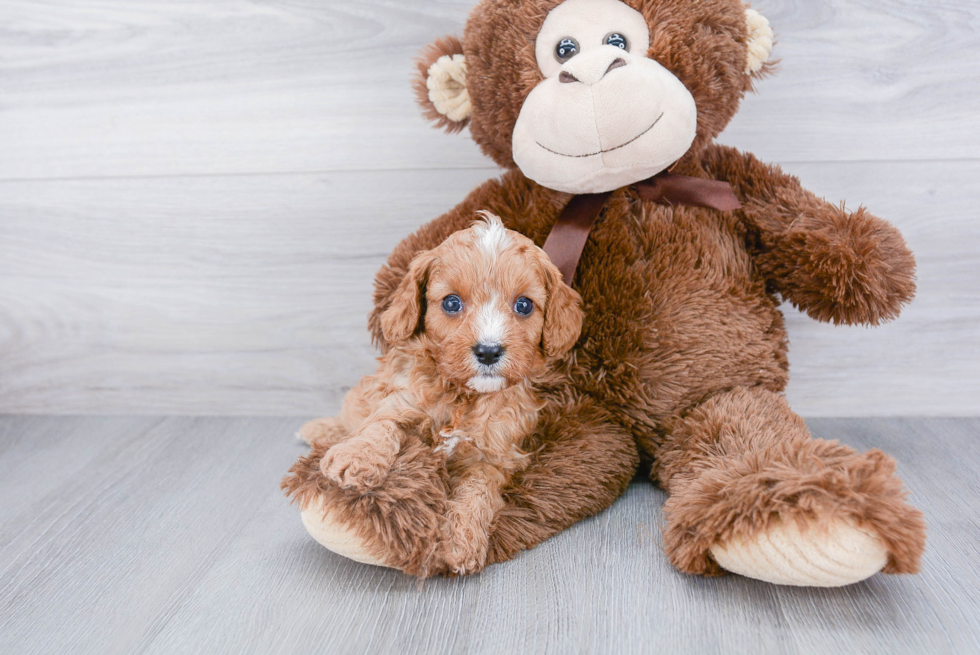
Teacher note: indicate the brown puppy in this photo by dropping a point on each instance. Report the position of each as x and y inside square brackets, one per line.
[473, 327]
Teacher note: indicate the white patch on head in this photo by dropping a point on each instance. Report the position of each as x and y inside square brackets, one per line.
[491, 235]
[486, 383]
[491, 323]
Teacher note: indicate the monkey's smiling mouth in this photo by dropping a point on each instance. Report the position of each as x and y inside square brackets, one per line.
[600, 152]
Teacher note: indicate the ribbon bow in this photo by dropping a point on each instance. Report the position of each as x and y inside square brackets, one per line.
[567, 238]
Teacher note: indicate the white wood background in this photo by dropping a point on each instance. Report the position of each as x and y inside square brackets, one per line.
[194, 196]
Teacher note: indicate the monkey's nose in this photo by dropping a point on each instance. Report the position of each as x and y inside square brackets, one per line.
[488, 354]
[590, 70]
[617, 63]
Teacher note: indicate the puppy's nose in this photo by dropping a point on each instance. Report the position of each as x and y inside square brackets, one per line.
[488, 353]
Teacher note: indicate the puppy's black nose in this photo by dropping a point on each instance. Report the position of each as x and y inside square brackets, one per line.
[488, 353]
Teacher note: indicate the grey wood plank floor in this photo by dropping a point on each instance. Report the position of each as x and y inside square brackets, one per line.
[194, 196]
[169, 535]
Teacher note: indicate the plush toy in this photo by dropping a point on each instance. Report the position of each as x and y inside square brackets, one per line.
[604, 113]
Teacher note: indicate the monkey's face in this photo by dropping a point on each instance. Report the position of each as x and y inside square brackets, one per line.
[605, 115]
[587, 96]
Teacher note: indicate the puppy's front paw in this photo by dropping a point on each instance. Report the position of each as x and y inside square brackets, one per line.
[467, 546]
[326, 431]
[465, 558]
[355, 465]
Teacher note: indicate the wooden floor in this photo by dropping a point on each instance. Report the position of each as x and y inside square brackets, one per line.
[169, 535]
[195, 196]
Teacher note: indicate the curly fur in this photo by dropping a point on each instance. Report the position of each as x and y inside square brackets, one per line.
[423, 390]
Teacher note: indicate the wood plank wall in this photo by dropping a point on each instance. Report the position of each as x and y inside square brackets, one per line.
[194, 196]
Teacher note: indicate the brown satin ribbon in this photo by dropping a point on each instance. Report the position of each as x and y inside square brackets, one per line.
[567, 238]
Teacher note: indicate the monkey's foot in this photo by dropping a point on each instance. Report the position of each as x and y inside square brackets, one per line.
[829, 555]
[333, 535]
[398, 524]
[752, 492]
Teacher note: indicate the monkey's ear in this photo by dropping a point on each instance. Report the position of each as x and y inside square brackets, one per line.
[759, 43]
[440, 84]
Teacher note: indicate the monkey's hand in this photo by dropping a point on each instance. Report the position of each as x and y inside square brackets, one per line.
[837, 266]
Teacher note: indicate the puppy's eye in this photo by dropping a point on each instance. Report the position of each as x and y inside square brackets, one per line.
[618, 40]
[523, 306]
[452, 304]
[566, 49]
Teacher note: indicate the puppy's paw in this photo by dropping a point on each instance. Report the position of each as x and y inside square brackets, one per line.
[355, 465]
[466, 552]
[462, 560]
[327, 431]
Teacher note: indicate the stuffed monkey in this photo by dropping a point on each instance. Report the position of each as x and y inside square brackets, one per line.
[681, 365]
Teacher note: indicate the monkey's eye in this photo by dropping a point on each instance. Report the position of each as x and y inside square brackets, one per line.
[618, 40]
[566, 49]
[524, 306]
[452, 304]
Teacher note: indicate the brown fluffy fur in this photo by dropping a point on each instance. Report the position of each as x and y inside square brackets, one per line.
[742, 459]
[401, 521]
[424, 388]
[683, 350]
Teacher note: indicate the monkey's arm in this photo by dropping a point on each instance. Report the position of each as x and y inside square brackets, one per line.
[837, 266]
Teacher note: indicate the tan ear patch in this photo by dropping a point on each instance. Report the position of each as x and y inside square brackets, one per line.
[760, 40]
[446, 82]
[440, 84]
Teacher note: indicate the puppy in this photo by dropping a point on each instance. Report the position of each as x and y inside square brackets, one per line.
[473, 329]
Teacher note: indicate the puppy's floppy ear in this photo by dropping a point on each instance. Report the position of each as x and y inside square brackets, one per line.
[563, 313]
[440, 84]
[407, 309]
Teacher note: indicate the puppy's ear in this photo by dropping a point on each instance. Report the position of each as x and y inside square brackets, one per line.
[563, 313]
[440, 84]
[406, 312]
